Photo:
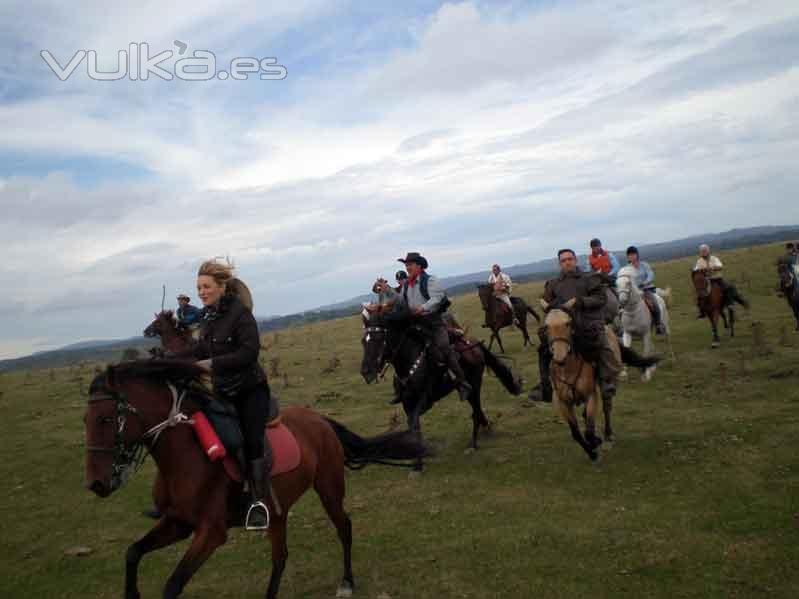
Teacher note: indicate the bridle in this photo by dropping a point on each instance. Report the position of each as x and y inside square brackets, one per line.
[572, 385]
[626, 294]
[702, 293]
[128, 458]
[385, 358]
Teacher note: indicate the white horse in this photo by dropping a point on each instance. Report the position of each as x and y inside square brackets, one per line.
[636, 320]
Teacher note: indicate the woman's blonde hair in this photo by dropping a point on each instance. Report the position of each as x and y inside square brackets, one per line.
[223, 273]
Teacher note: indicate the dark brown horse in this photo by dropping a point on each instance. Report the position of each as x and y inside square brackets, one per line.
[173, 337]
[498, 315]
[137, 408]
[789, 287]
[715, 301]
[419, 380]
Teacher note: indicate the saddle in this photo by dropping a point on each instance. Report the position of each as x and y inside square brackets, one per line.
[223, 418]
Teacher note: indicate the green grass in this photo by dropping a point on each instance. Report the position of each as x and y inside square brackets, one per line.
[698, 498]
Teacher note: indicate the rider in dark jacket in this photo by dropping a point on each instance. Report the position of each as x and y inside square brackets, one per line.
[584, 295]
[228, 348]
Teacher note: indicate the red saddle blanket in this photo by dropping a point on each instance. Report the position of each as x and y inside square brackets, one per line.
[285, 452]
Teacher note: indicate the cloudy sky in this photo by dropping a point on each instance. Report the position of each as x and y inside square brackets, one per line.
[474, 132]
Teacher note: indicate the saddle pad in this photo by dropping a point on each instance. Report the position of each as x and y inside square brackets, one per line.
[285, 448]
[285, 452]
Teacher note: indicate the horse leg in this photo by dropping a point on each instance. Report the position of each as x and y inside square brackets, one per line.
[280, 553]
[626, 341]
[732, 321]
[590, 421]
[567, 411]
[714, 319]
[491, 340]
[478, 416]
[607, 409]
[649, 348]
[415, 426]
[499, 342]
[525, 333]
[206, 539]
[166, 532]
[331, 493]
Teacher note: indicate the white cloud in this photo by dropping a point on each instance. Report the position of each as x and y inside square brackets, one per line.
[635, 125]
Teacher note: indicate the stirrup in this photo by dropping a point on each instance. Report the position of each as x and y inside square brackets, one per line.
[254, 506]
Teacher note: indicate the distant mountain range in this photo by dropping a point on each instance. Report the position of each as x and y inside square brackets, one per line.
[111, 350]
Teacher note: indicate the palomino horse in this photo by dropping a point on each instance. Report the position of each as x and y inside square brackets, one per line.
[498, 316]
[574, 380]
[789, 287]
[713, 303]
[419, 380]
[173, 337]
[636, 319]
[135, 408]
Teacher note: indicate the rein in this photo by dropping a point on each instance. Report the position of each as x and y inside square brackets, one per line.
[129, 458]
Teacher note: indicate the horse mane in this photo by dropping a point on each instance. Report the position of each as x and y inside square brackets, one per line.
[626, 271]
[154, 369]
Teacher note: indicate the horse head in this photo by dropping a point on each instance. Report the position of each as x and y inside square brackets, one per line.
[159, 326]
[375, 346]
[624, 285]
[701, 283]
[558, 325]
[126, 402]
[786, 274]
[486, 293]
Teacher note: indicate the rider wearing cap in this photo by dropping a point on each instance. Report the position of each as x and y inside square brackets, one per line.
[646, 283]
[422, 295]
[187, 314]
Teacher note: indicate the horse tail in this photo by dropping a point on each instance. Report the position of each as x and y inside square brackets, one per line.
[666, 295]
[391, 449]
[504, 374]
[736, 297]
[631, 358]
[534, 313]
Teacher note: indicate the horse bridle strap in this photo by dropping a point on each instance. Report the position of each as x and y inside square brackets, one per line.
[128, 459]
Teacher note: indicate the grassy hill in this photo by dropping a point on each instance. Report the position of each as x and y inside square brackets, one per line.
[699, 497]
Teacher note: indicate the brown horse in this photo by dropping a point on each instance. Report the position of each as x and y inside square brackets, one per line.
[789, 287]
[574, 383]
[173, 337]
[498, 316]
[713, 301]
[574, 379]
[134, 409]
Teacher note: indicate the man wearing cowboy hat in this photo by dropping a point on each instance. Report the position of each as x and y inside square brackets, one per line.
[187, 315]
[426, 300]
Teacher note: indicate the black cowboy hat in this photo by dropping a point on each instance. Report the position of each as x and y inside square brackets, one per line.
[414, 257]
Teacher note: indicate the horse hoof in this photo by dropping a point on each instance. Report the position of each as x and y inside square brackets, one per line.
[595, 457]
[469, 450]
[414, 474]
[715, 344]
[344, 590]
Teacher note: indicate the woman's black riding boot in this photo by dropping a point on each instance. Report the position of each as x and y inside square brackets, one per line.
[258, 514]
